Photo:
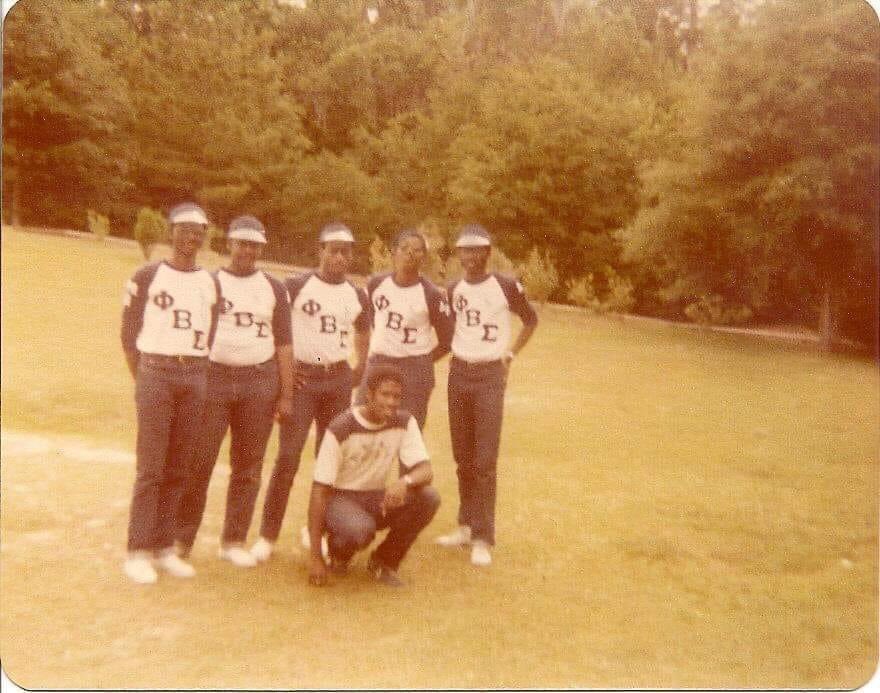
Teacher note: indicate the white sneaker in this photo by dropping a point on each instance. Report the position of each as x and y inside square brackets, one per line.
[174, 565]
[262, 550]
[140, 570]
[457, 537]
[306, 542]
[238, 556]
[480, 554]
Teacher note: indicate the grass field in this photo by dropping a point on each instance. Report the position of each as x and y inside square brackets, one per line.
[676, 509]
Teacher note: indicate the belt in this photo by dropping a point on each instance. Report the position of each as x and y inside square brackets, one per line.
[474, 364]
[175, 360]
[322, 369]
[253, 366]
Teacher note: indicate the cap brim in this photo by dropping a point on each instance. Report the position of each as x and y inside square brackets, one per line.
[247, 235]
[472, 242]
[343, 236]
[190, 216]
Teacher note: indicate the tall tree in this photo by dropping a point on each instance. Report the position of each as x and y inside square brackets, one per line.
[66, 112]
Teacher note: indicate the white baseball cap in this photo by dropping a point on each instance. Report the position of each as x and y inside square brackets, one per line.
[336, 231]
[473, 236]
[187, 213]
[247, 228]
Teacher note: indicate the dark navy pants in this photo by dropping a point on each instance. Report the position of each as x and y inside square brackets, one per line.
[169, 395]
[418, 382]
[241, 399]
[322, 396]
[353, 518]
[476, 408]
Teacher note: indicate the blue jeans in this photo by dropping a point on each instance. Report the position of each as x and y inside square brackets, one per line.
[476, 409]
[169, 396]
[353, 518]
[320, 398]
[242, 400]
[418, 382]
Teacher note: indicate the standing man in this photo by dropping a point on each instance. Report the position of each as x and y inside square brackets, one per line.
[412, 325]
[168, 326]
[328, 313]
[350, 499]
[250, 380]
[481, 356]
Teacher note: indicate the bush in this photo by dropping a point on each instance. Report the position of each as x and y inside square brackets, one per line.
[581, 293]
[618, 297]
[380, 256]
[216, 239]
[98, 224]
[150, 228]
[539, 275]
[711, 309]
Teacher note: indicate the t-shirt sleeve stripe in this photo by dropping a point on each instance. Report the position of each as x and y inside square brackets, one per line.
[281, 314]
[365, 317]
[137, 290]
[516, 299]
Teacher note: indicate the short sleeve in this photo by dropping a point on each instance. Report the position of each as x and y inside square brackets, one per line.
[516, 299]
[412, 446]
[281, 314]
[365, 317]
[327, 462]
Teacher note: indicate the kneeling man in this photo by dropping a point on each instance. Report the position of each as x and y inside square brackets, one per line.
[350, 500]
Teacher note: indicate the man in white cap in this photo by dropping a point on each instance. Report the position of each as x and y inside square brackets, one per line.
[168, 325]
[250, 380]
[329, 316]
[482, 303]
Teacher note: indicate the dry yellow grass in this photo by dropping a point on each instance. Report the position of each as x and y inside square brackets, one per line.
[675, 510]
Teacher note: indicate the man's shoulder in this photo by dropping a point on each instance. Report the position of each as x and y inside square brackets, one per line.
[343, 425]
[145, 273]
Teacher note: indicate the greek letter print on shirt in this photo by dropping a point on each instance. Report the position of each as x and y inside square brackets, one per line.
[405, 318]
[324, 318]
[254, 319]
[170, 312]
[482, 316]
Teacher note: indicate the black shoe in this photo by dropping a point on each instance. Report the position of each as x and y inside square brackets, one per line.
[382, 573]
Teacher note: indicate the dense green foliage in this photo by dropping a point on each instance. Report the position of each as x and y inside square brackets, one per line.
[715, 161]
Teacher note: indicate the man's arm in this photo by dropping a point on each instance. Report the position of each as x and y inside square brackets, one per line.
[395, 493]
[131, 359]
[317, 510]
[284, 406]
[525, 334]
[361, 347]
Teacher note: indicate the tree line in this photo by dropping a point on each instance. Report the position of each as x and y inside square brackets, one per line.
[709, 160]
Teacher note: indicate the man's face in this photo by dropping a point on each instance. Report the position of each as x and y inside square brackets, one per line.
[384, 400]
[243, 255]
[409, 254]
[187, 238]
[473, 259]
[335, 258]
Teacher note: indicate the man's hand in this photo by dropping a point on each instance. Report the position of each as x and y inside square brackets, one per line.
[284, 408]
[395, 496]
[317, 571]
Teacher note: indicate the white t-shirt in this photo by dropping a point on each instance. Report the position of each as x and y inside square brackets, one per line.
[324, 317]
[357, 455]
[254, 319]
[407, 320]
[170, 312]
[482, 316]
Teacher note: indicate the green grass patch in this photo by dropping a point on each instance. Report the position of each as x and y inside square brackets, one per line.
[676, 509]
